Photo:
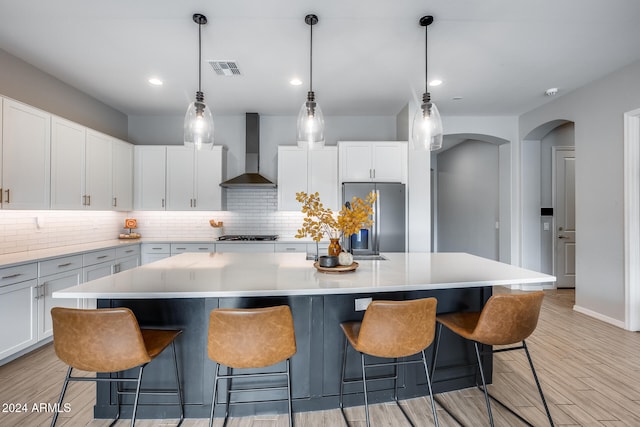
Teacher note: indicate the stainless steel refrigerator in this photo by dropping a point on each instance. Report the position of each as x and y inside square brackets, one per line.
[387, 234]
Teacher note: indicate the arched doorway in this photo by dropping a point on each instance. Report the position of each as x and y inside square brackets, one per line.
[548, 204]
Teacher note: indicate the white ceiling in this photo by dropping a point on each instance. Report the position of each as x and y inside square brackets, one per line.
[498, 55]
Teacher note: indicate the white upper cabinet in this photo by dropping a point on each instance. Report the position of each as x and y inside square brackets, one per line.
[99, 171]
[194, 177]
[305, 170]
[26, 156]
[149, 177]
[122, 199]
[67, 164]
[81, 167]
[379, 161]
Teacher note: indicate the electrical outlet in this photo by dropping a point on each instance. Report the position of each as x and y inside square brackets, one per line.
[361, 304]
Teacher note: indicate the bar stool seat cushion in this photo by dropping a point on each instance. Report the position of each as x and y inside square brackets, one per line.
[251, 338]
[393, 329]
[504, 320]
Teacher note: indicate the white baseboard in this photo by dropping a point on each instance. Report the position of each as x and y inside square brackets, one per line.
[595, 315]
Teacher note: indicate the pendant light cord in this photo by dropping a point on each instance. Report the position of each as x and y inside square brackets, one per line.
[426, 58]
[311, 59]
[199, 57]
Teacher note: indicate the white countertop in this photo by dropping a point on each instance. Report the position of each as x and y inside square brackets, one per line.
[201, 275]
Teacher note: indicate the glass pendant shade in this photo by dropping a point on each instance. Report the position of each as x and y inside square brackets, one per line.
[427, 128]
[310, 125]
[198, 126]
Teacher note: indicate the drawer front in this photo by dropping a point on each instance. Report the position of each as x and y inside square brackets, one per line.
[156, 248]
[291, 247]
[127, 251]
[179, 248]
[98, 257]
[17, 274]
[60, 265]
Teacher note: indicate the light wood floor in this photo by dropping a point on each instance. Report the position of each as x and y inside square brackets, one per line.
[589, 370]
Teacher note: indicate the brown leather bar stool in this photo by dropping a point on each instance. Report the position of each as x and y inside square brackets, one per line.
[506, 319]
[250, 338]
[109, 340]
[391, 329]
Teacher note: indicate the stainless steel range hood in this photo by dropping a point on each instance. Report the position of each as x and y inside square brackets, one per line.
[251, 178]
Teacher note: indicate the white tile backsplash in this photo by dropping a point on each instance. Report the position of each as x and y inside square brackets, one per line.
[249, 211]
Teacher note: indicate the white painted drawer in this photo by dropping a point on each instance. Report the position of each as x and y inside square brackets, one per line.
[291, 247]
[92, 258]
[126, 251]
[179, 248]
[17, 274]
[60, 265]
[156, 248]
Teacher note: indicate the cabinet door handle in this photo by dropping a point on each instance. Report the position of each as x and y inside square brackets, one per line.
[190, 203]
[374, 173]
[89, 197]
[128, 251]
[115, 202]
[66, 264]
[11, 276]
[102, 256]
[84, 200]
[8, 196]
[203, 249]
[163, 203]
[195, 204]
[1, 196]
[181, 249]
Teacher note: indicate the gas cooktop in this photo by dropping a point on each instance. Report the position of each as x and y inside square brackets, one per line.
[255, 237]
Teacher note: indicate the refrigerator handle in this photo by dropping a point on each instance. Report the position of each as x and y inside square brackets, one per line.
[376, 243]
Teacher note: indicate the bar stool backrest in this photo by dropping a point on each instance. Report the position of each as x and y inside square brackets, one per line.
[251, 337]
[99, 340]
[508, 318]
[397, 328]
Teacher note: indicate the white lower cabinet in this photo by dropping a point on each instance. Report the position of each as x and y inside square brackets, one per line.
[46, 286]
[154, 252]
[180, 248]
[18, 308]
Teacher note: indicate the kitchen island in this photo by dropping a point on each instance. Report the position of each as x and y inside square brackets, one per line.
[179, 292]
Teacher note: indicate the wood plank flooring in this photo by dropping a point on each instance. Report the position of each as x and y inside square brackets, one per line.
[589, 370]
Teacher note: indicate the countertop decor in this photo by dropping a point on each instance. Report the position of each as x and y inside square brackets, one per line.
[130, 223]
[321, 221]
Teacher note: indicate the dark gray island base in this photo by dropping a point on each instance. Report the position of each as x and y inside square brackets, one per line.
[315, 367]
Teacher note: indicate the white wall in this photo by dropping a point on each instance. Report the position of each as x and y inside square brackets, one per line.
[597, 111]
[468, 199]
[23, 82]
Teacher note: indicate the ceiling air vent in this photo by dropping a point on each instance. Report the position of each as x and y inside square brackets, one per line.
[225, 68]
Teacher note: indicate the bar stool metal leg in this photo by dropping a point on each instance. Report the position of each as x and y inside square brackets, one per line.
[289, 392]
[364, 386]
[215, 392]
[433, 402]
[135, 403]
[484, 384]
[535, 377]
[344, 363]
[436, 346]
[64, 390]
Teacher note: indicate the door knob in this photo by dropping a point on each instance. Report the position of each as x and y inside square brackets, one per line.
[562, 237]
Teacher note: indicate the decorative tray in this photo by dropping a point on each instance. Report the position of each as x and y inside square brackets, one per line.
[337, 269]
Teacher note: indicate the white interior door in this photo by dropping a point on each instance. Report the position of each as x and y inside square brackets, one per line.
[565, 217]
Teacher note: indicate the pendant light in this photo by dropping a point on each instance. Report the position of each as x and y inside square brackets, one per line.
[427, 125]
[198, 122]
[310, 118]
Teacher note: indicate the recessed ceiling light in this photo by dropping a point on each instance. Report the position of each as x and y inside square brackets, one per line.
[155, 81]
[295, 82]
[457, 98]
[435, 82]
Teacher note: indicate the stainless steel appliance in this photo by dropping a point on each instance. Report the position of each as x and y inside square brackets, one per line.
[249, 237]
[388, 232]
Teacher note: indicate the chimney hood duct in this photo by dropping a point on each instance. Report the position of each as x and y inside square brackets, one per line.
[251, 178]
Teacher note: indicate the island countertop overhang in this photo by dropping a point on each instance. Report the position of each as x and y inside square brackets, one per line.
[215, 275]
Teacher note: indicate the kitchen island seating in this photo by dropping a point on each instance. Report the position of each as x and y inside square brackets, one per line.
[391, 329]
[109, 340]
[241, 338]
[506, 319]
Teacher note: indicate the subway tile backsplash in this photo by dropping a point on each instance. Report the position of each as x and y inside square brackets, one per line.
[249, 211]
